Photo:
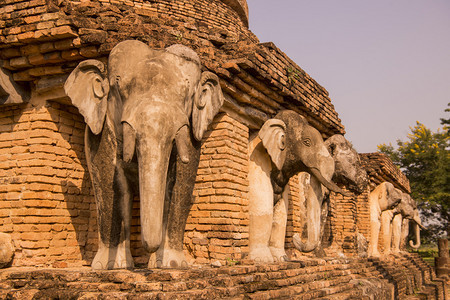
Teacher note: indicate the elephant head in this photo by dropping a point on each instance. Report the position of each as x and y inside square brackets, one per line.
[150, 100]
[408, 211]
[348, 169]
[386, 195]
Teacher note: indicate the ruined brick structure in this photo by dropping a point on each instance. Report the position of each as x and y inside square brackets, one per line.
[46, 198]
[46, 183]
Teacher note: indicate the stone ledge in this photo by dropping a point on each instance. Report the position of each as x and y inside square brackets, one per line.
[306, 279]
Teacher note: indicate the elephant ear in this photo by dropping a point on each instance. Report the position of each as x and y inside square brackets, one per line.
[272, 135]
[208, 99]
[88, 88]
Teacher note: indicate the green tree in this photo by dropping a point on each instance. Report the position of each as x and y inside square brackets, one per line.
[425, 160]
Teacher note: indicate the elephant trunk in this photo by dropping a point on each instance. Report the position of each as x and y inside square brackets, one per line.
[153, 159]
[304, 247]
[417, 234]
[328, 184]
[149, 131]
[313, 215]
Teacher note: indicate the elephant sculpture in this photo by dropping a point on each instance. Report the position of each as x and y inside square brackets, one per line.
[406, 211]
[348, 171]
[146, 115]
[284, 146]
[382, 200]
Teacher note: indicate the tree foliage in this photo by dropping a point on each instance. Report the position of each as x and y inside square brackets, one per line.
[425, 159]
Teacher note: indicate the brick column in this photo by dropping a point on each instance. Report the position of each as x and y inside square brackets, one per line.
[342, 218]
[296, 214]
[45, 195]
[363, 214]
[217, 227]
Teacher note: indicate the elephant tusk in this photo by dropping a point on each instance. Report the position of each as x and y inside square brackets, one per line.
[182, 140]
[129, 142]
[417, 235]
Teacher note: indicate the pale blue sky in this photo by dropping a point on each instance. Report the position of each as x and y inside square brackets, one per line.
[385, 63]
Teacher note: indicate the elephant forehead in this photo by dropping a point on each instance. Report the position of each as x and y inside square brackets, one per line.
[145, 113]
[153, 69]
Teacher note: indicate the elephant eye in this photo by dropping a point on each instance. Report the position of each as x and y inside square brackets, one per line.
[307, 142]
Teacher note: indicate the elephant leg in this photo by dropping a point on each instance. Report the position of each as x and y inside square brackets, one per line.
[375, 224]
[396, 233]
[111, 192]
[278, 234]
[260, 206]
[404, 234]
[386, 229]
[124, 258]
[178, 203]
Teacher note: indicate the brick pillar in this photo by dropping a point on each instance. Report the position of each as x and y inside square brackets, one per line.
[342, 218]
[46, 202]
[363, 214]
[294, 211]
[217, 227]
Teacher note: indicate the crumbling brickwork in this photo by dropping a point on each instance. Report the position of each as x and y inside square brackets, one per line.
[47, 203]
[409, 278]
[41, 43]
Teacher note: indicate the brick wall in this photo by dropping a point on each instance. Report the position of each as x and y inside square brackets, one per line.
[217, 227]
[43, 43]
[295, 212]
[45, 196]
[340, 232]
[363, 214]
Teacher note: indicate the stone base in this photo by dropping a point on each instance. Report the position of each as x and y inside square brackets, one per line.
[306, 279]
[442, 266]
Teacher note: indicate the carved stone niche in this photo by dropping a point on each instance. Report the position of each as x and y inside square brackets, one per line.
[10, 91]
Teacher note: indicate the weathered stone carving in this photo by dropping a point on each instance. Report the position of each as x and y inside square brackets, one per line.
[10, 91]
[442, 262]
[146, 116]
[285, 146]
[347, 171]
[6, 250]
[405, 212]
[383, 198]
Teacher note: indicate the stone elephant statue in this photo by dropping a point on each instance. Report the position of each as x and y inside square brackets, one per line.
[381, 202]
[146, 115]
[348, 171]
[405, 212]
[284, 146]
